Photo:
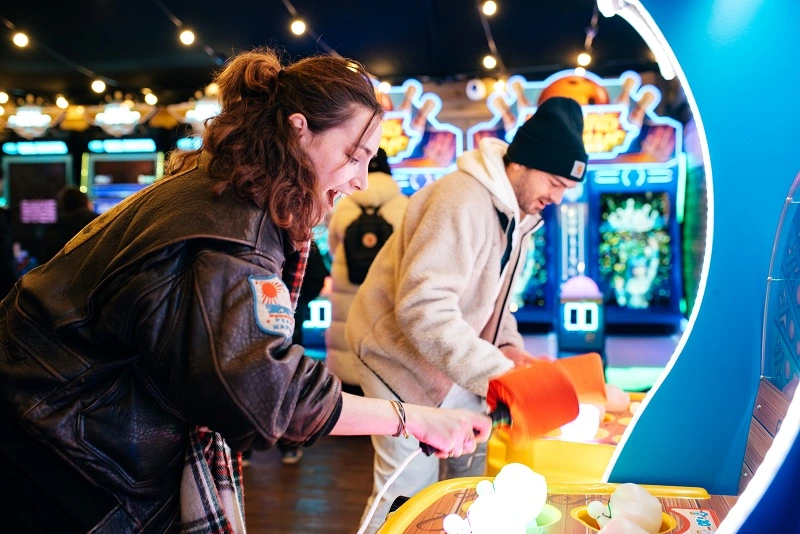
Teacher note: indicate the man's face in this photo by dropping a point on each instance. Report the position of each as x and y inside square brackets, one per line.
[536, 189]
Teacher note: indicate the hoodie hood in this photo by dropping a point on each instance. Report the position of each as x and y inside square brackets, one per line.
[486, 165]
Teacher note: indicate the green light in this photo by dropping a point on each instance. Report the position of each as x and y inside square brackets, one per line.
[680, 201]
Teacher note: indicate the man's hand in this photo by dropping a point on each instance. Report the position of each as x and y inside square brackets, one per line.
[521, 357]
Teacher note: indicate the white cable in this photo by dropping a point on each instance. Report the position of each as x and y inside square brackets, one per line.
[384, 488]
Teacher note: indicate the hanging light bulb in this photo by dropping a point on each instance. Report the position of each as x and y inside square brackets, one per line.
[62, 102]
[98, 86]
[489, 8]
[187, 37]
[298, 27]
[20, 39]
[584, 59]
[489, 62]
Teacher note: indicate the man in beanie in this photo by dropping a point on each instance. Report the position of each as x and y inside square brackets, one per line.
[431, 323]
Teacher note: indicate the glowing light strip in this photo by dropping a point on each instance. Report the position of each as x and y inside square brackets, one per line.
[35, 148]
[680, 196]
[701, 289]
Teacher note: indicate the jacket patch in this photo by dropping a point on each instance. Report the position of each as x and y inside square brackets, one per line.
[273, 305]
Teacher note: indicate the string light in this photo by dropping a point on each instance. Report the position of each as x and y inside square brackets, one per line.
[62, 102]
[296, 17]
[151, 99]
[493, 60]
[298, 27]
[20, 39]
[3, 97]
[187, 37]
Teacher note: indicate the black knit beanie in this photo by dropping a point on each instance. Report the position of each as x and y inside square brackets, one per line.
[380, 163]
[552, 140]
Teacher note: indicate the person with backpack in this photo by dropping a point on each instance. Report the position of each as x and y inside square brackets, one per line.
[360, 225]
[431, 323]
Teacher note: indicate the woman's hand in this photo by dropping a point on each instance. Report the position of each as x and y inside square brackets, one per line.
[451, 432]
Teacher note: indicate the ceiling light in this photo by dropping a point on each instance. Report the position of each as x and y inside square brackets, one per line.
[298, 27]
[20, 39]
[584, 59]
[3, 97]
[187, 37]
[489, 8]
[151, 99]
[489, 62]
[98, 86]
[62, 102]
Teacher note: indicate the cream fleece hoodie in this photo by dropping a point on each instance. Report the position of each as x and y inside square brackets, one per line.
[417, 319]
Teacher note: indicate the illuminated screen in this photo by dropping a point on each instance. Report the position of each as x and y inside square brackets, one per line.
[531, 288]
[115, 180]
[42, 211]
[33, 188]
[635, 249]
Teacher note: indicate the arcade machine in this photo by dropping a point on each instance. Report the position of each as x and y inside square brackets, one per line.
[725, 418]
[420, 149]
[34, 172]
[114, 169]
[534, 298]
[620, 227]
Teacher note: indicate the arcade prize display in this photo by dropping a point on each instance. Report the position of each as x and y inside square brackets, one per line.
[621, 226]
[34, 172]
[114, 169]
[420, 149]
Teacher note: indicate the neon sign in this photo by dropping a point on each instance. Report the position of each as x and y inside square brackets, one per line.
[35, 148]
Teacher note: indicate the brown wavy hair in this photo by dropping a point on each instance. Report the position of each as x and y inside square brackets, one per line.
[255, 152]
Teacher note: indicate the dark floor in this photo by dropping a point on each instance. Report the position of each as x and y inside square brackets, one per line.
[325, 492]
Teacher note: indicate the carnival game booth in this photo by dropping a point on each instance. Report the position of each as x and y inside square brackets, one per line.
[717, 438]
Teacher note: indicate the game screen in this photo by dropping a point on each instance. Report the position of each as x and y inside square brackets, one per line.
[32, 190]
[115, 180]
[530, 289]
[634, 250]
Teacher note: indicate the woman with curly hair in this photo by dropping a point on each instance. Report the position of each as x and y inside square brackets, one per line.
[160, 335]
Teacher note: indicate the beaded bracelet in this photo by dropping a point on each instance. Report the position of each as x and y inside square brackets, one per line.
[401, 413]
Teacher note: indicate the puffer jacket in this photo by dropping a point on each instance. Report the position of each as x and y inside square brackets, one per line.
[384, 192]
[146, 324]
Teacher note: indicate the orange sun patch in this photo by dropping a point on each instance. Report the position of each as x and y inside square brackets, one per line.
[269, 293]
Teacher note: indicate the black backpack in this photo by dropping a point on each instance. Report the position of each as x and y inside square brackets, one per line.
[362, 240]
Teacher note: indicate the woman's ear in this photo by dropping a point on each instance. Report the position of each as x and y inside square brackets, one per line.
[298, 120]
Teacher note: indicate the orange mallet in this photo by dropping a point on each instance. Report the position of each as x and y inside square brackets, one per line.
[540, 397]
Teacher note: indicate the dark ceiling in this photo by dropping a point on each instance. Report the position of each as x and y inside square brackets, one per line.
[135, 44]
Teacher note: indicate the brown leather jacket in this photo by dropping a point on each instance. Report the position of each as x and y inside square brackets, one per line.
[143, 326]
